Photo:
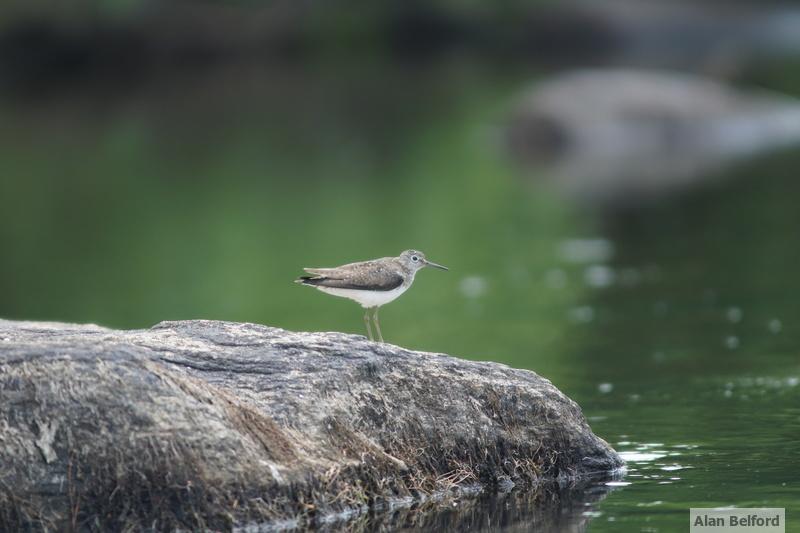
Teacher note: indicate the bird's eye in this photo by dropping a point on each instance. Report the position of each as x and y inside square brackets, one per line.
[414, 258]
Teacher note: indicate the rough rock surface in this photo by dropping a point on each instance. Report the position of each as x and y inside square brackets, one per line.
[215, 424]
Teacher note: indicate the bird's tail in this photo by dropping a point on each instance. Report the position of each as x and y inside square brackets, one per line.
[318, 275]
[309, 280]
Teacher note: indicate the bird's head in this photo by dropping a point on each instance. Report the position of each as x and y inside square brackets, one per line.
[414, 260]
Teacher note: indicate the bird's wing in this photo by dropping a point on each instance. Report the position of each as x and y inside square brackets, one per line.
[357, 276]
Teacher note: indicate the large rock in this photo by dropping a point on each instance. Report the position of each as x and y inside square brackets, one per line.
[213, 424]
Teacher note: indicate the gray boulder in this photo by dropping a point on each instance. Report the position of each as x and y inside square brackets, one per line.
[618, 138]
[204, 424]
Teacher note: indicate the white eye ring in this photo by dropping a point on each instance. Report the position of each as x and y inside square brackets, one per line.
[414, 258]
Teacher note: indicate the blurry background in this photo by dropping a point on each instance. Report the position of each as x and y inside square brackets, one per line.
[612, 183]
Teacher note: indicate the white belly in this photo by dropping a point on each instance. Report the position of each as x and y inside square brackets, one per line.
[367, 298]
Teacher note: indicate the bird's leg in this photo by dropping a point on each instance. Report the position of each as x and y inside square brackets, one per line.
[377, 324]
[366, 321]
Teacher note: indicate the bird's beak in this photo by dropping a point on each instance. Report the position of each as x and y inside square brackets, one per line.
[434, 265]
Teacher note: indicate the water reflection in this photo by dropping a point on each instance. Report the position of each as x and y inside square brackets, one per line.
[550, 508]
[701, 357]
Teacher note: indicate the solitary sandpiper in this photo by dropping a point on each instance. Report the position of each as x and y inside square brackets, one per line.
[370, 283]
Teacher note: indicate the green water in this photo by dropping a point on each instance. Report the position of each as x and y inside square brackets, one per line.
[202, 196]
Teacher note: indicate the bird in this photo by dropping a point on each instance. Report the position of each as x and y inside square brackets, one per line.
[370, 283]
